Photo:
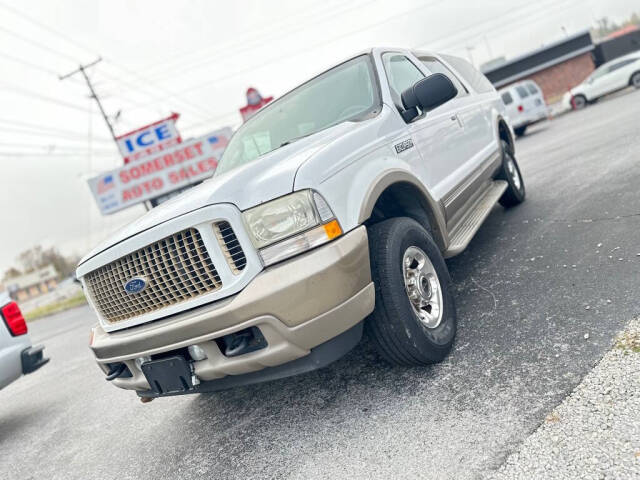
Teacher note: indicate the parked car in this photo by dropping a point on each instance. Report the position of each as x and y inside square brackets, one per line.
[610, 77]
[334, 204]
[17, 356]
[525, 105]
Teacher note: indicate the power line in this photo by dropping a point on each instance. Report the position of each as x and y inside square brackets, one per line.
[295, 53]
[45, 128]
[39, 154]
[77, 138]
[44, 27]
[50, 146]
[252, 44]
[23, 62]
[482, 25]
[255, 34]
[31, 93]
[553, 7]
[37, 44]
[72, 59]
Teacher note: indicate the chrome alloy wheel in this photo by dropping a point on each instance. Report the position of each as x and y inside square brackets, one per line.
[422, 286]
[512, 170]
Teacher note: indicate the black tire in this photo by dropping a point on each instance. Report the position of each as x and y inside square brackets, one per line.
[515, 192]
[394, 327]
[579, 102]
[634, 81]
[520, 131]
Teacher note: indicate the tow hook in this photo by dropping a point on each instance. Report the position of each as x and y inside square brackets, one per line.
[115, 371]
[146, 399]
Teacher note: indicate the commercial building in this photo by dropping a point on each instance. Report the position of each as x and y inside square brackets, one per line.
[556, 67]
[33, 284]
[563, 64]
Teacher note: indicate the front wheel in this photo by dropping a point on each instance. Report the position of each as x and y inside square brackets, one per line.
[635, 80]
[414, 320]
[579, 102]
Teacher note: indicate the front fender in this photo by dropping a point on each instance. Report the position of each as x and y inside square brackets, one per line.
[353, 192]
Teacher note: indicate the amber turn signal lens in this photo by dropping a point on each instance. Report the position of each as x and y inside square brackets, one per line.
[332, 229]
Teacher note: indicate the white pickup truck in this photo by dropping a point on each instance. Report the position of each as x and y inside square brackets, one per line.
[331, 210]
[17, 356]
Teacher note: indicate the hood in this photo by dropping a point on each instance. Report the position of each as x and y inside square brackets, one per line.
[259, 181]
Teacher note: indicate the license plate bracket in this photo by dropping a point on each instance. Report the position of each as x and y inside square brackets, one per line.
[168, 375]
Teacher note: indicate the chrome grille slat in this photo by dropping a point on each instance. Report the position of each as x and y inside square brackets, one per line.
[177, 268]
[230, 246]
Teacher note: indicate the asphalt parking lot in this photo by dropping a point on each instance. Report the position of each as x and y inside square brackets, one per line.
[534, 281]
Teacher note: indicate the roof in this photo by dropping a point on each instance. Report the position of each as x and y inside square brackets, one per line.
[541, 58]
[623, 31]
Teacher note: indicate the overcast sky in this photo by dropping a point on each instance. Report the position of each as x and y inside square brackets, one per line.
[197, 58]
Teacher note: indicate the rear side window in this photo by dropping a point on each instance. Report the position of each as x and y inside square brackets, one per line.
[435, 66]
[477, 80]
[522, 92]
[507, 98]
[619, 65]
[532, 88]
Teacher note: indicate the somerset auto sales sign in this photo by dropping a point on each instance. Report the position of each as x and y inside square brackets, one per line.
[187, 163]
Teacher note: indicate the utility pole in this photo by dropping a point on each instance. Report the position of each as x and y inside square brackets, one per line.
[82, 69]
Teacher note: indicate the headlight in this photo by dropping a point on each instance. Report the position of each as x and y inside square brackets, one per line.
[290, 225]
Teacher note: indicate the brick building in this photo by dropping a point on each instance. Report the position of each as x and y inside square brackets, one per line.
[556, 67]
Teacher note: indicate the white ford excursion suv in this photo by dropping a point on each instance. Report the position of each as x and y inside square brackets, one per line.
[331, 210]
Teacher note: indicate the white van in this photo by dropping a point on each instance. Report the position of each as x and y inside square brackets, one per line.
[525, 105]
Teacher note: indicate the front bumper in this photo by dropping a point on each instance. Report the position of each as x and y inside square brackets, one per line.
[297, 305]
[529, 118]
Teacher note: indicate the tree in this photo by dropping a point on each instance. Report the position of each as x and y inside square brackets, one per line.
[38, 257]
[10, 273]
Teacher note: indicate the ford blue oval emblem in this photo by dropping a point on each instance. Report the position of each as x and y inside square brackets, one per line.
[135, 285]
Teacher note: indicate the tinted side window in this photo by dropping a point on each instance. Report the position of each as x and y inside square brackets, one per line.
[477, 80]
[401, 74]
[434, 66]
[532, 88]
[507, 98]
[619, 65]
[522, 92]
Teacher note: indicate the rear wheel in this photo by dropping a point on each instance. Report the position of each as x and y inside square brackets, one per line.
[579, 102]
[515, 192]
[635, 80]
[520, 131]
[414, 321]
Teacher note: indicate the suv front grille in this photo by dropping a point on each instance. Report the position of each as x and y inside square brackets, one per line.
[176, 268]
[230, 247]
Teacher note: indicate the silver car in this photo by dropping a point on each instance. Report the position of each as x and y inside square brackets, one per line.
[17, 356]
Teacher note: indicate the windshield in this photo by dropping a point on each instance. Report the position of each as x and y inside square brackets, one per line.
[346, 92]
[598, 72]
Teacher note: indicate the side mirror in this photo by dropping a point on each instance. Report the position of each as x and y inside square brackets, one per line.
[427, 94]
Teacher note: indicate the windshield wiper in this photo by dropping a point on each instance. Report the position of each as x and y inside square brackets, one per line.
[294, 139]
